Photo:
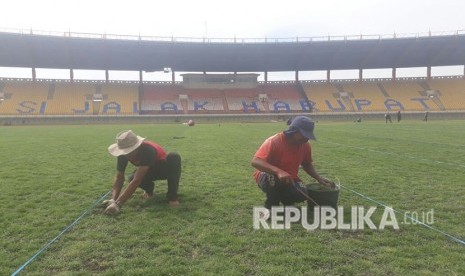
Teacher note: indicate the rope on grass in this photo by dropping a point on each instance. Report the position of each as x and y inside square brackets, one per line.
[59, 235]
[460, 241]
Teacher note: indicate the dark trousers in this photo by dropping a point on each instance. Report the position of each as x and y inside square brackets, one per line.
[168, 169]
[278, 192]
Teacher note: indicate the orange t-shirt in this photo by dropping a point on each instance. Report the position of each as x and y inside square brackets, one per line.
[278, 152]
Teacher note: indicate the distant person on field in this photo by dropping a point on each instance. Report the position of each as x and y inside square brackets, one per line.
[426, 116]
[399, 116]
[277, 163]
[387, 117]
[289, 121]
[152, 163]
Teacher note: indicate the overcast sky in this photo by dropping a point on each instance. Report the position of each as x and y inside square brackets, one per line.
[239, 18]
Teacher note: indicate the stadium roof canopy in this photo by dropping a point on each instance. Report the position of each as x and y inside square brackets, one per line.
[103, 53]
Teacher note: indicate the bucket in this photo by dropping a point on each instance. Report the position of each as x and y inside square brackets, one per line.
[322, 195]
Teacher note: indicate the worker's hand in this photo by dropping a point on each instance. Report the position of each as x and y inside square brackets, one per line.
[285, 178]
[328, 183]
[107, 203]
[112, 209]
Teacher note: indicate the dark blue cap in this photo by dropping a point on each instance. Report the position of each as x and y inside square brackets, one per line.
[304, 125]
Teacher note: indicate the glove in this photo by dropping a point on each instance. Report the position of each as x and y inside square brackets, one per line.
[112, 209]
[107, 203]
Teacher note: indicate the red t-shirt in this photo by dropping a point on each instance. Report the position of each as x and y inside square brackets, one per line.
[278, 152]
[150, 154]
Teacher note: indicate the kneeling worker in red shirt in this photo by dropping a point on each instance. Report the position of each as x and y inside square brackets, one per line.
[152, 163]
[277, 163]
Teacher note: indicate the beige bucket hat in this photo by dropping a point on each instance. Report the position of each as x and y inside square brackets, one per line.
[126, 142]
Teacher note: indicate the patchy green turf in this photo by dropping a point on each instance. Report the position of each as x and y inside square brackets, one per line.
[51, 174]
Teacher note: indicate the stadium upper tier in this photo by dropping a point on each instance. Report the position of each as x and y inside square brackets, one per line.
[99, 98]
[104, 52]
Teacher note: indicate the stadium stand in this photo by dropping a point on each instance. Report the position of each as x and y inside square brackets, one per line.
[266, 99]
[322, 97]
[121, 99]
[160, 100]
[366, 97]
[225, 84]
[70, 99]
[202, 100]
[408, 95]
[246, 101]
[450, 91]
[65, 98]
[163, 99]
[284, 98]
[405, 95]
[23, 98]
[100, 98]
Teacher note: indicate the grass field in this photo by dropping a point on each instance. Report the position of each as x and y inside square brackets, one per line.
[52, 174]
